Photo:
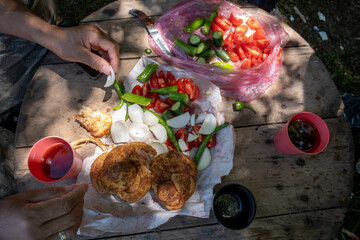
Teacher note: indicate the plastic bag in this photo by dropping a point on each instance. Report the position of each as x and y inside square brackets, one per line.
[243, 85]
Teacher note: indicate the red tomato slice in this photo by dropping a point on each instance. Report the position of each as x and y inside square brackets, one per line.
[253, 62]
[154, 81]
[169, 101]
[137, 90]
[154, 97]
[146, 90]
[161, 79]
[170, 145]
[249, 52]
[224, 19]
[241, 30]
[180, 134]
[191, 89]
[246, 64]
[259, 34]
[161, 107]
[240, 52]
[235, 21]
[220, 22]
[252, 23]
[262, 43]
[212, 142]
[265, 56]
[180, 85]
[229, 41]
[233, 55]
[171, 80]
[216, 27]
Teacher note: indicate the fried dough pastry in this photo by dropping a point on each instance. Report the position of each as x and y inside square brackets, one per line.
[173, 178]
[124, 171]
[97, 123]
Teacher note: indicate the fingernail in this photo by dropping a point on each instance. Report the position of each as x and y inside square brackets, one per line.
[106, 70]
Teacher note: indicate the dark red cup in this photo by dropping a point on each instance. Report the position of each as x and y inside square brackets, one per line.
[283, 143]
[37, 152]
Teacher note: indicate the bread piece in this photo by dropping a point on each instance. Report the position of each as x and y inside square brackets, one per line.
[173, 178]
[97, 123]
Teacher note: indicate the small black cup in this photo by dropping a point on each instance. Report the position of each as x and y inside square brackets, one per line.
[234, 206]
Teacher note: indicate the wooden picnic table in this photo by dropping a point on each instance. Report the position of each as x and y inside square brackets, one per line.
[298, 196]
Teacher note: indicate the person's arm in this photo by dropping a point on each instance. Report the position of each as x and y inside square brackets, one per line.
[72, 44]
[42, 213]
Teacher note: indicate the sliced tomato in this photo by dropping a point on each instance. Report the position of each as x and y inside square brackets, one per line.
[222, 17]
[154, 81]
[240, 52]
[169, 144]
[137, 90]
[253, 62]
[250, 52]
[196, 142]
[191, 89]
[161, 79]
[262, 43]
[216, 27]
[229, 40]
[169, 101]
[180, 85]
[180, 134]
[265, 56]
[259, 60]
[212, 142]
[233, 55]
[146, 90]
[161, 106]
[220, 22]
[252, 23]
[259, 34]
[267, 50]
[246, 64]
[243, 40]
[235, 21]
[154, 97]
[170, 78]
[241, 30]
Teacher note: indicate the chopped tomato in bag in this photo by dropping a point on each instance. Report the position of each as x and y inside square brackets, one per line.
[235, 21]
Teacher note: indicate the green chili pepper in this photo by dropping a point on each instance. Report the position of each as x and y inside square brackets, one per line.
[168, 130]
[240, 105]
[120, 90]
[148, 72]
[194, 25]
[179, 97]
[127, 112]
[207, 25]
[133, 98]
[165, 90]
[148, 51]
[206, 140]
[191, 50]
[223, 65]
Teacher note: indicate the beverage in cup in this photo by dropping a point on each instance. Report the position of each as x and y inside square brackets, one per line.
[52, 159]
[304, 133]
[234, 206]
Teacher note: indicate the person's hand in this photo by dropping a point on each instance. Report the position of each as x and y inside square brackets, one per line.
[75, 44]
[42, 213]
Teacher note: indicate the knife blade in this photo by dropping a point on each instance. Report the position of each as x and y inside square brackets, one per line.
[153, 32]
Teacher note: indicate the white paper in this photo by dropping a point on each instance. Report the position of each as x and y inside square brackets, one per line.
[107, 213]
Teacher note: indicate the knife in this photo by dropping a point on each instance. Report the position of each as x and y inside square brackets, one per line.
[153, 32]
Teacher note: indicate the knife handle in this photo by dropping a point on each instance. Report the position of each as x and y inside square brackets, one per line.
[143, 17]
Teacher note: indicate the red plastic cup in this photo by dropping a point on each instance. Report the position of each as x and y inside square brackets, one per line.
[37, 152]
[283, 143]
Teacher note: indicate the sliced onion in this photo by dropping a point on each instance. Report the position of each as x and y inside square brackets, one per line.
[192, 119]
[192, 137]
[179, 121]
[119, 132]
[110, 79]
[159, 147]
[200, 118]
[150, 119]
[208, 125]
[160, 132]
[119, 115]
[135, 113]
[204, 160]
[139, 132]
[182, 144]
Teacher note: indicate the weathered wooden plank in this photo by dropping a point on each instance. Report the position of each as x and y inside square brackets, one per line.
[281, 183]
[320, 224]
